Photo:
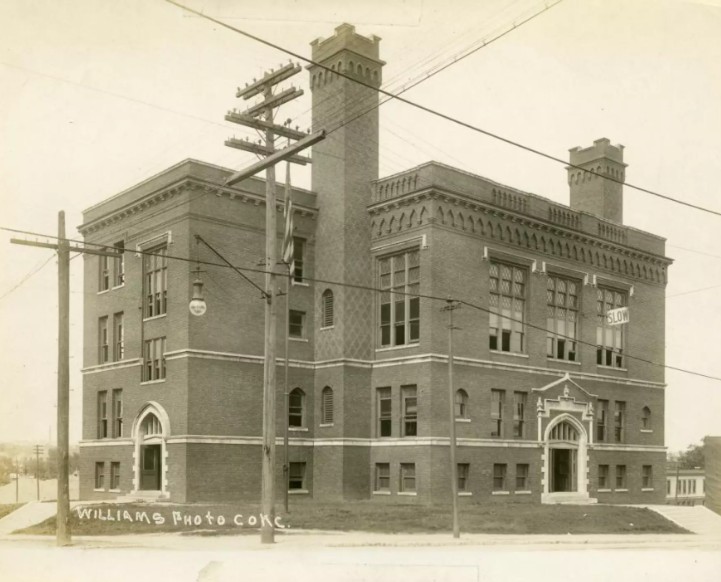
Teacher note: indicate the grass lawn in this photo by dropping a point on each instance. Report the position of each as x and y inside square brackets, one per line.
[109, 519]
[8, 508]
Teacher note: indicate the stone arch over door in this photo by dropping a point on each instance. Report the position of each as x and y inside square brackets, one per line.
[574, 449]
[150, 432]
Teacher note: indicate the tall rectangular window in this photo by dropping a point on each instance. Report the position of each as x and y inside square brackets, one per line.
[99, 475]
[499, 477]
[117, 413]
[519, 413]
[507, 307]
[296, 408]
[296, 476]
[296, 324]
[609, 338]
[408, 477]
[522, 477]
[115, 475]
[647, 477]
[103, 273]
[119, 264]
[399, 309]
[155, 267]
[103, 414]
[603, 482]
[620, 476]
[383, 477]
[619, 421]
[298, 259]
[118, 337]
[497, 404]
[154, 359]
[463, 470]
[409, 395]
[103, 341]
[561, 318]
[385, 415]
[602, 421]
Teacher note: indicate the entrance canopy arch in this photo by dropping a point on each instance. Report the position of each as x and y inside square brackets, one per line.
[151, 428]
[144, 422]
[566, 458]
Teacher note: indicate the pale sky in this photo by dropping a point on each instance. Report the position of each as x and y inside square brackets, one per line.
[97, 95]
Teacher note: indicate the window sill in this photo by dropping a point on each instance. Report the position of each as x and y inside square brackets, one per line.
[514, 354]
[392, 348]
[603, 491]
[119, 286]
[298, 429]
[524, 492]
[327, 425]
[465, 494]
[297, 492]
[99, 489]
[154, 317]
[560, 361]
[621, 490]
[113, 490]
[104, 291]
[381, 493]
[298, 339]
[647, 430]
[299, 284]
[463, 420]
[500, 492]
[603, 367]
[647, 489]
[408, 493]
[148, 382]
[327, 328]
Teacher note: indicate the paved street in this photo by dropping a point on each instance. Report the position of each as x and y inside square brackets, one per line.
[356, 557]
[27, 490]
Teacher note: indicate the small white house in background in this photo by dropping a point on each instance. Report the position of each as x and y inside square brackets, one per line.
[685, 486]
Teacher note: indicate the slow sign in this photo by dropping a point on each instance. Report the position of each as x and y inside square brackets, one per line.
[617, 316]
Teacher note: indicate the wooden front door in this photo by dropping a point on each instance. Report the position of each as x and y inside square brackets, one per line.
[150, 467]
[563, 470]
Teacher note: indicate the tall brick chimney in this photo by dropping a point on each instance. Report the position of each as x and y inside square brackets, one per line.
[344, 165]
[591, 192]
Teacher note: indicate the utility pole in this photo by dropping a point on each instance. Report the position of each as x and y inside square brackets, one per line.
[38, 450]
[260, 117]
[450, 307]
[63, 248]
[17, 481]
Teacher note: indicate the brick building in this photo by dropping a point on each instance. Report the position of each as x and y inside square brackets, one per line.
[551, 403]
[712, 458]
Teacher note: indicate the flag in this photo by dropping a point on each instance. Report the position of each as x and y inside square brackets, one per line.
[288, 230]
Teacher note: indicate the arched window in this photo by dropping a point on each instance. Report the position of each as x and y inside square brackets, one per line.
[327, 309]
[296, 408]
[564, 432]
[461, 404]
[645, 418]
[326, 405]
[151, 426]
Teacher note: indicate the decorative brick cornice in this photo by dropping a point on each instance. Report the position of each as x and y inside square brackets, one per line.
[190, 184]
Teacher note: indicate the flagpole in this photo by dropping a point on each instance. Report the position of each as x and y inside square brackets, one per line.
[289, 263]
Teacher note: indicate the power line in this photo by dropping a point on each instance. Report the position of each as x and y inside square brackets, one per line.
[399, 293]
[28, 276]
[444, 116]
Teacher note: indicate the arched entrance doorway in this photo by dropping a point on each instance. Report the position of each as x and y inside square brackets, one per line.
[563, 450]
[150, 431]
[566, 460]
[150, 454]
